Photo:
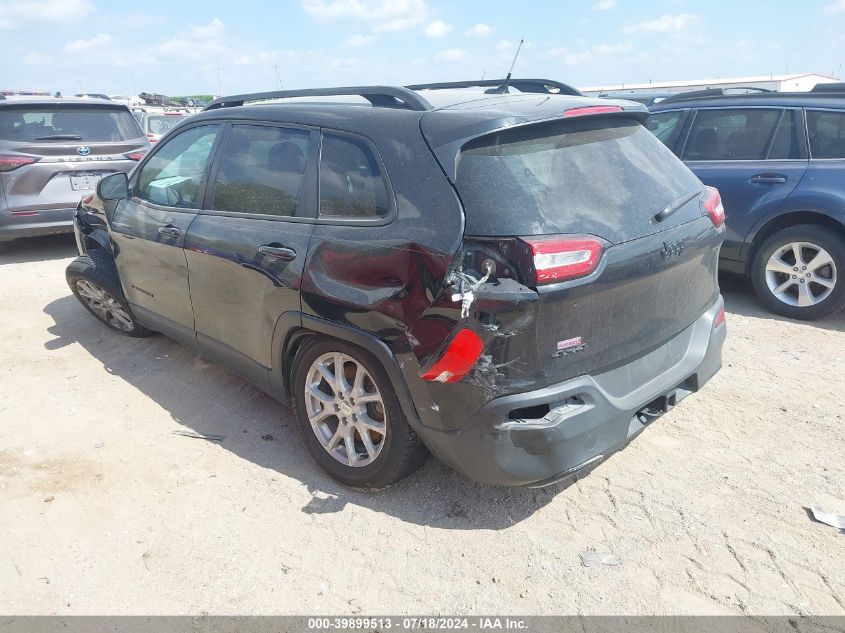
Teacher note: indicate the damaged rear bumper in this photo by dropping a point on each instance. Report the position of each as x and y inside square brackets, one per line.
[539, 437]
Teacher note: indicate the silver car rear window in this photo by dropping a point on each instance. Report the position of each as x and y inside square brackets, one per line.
[29, 123]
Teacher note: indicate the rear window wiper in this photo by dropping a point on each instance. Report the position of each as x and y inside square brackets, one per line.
[671, 208]
[59, 137]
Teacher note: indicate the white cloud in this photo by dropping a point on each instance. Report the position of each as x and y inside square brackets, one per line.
[604, 5]
[438, 28]
[77, 46]
[569, 57]
[202, 42]
[382, 15]
[195, 50]
[359, 40]
[451, 55]
[504, 46]
[664, 24]
[15, 12]
[479, 30]
[35, 58]
[207, 31]
[835, 7]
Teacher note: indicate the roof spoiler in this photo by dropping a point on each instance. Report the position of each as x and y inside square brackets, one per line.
[541, 86]
[378, 96]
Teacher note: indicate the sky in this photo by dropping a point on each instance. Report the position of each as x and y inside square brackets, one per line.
[182, 47]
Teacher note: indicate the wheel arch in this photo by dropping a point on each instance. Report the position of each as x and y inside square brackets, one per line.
[793, 218]
[293, 330]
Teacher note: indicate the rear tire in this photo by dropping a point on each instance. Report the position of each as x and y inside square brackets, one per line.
[94, 282]
[798, 272]
[353, 428]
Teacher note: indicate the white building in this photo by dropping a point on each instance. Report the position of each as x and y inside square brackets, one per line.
[781, 83]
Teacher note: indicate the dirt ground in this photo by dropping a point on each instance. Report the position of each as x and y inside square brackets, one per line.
[103, 509]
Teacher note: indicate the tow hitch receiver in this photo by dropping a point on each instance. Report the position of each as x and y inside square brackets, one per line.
[664, 403]
[653, 410]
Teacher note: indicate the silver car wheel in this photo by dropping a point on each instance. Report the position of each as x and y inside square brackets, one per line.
[345, 409]
[104, 305]
[801, 274]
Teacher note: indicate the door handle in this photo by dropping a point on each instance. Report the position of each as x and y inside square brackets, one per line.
[279, 252]
[169, 231]
[768, 179]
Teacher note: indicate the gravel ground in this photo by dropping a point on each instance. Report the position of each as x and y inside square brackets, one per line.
[106, 510]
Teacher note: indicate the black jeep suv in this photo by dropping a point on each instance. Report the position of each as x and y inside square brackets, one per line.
[517, 282]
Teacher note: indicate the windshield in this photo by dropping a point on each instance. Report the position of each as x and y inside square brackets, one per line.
[610, 175]
[51, 123]
[162, 124]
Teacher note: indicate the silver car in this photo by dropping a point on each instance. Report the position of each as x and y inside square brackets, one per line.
[157, 123]
[52, 152]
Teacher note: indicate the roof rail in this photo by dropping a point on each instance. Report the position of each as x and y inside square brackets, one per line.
[832, 87]
[542, 86]
[378, 96]
[711, 92]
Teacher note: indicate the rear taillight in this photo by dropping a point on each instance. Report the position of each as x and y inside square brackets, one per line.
[136, 155]
[561, 258]
[458, 358]
[11, 162]
[588, 110]
[720, 318]
[714, 207]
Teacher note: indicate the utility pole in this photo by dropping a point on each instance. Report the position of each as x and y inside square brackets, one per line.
[219, 83]
[79, 84]
[278, 77]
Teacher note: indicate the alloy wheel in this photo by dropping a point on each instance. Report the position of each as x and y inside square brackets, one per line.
[345, 409]
[104, 305]
[801, 274]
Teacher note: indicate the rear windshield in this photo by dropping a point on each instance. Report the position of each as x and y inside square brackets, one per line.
[35, 123]
[162, 124]
[557, 177]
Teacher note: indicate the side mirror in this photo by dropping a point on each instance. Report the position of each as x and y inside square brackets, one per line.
[652, 125]
[113, 187]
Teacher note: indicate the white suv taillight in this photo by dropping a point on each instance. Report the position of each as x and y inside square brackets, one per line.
[714, 207]
[561, 258]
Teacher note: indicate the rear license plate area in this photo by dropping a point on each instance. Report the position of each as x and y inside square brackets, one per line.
[84, 181]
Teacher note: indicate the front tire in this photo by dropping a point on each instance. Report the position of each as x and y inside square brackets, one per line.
[798, 272]
[350, 417]
[94, 282]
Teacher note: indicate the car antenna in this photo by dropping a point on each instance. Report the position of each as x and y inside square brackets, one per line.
[500, 90]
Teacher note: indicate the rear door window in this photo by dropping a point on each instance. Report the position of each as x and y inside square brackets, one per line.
[174, 175]
[785, 144]
[67, 123]
[262, 171]
[351, 182]
[827, 133]
[667, 126]
[731, 134]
